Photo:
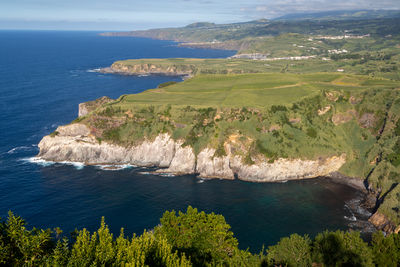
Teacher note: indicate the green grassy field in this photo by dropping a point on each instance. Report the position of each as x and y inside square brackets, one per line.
[253, 90]
[363, 63]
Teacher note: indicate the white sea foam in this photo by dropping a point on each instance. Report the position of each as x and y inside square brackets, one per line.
[115, 167]
[77, 165]
[351, 218]
[45, 163]
[167, 175]
[19, 148]
[94, 70]
[200, 181]
[39, 161]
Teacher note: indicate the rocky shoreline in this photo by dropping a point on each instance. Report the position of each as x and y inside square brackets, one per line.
[145, 69]
[109, 70]
[75, 143]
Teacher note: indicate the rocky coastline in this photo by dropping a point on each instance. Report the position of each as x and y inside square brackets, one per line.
[75, 143]
[145, 69]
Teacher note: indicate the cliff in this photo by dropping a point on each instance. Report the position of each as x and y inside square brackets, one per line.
[87, 107]
[382, 222]
[256, 127]
[149, 68]
[76, 143]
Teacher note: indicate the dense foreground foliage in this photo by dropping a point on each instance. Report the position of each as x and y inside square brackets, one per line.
[186, 239]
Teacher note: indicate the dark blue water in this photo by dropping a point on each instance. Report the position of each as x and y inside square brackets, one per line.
[43, 78]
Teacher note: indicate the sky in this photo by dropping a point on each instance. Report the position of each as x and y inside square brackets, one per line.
[142, 14]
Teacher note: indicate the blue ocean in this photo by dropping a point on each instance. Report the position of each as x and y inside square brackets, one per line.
[44, 75]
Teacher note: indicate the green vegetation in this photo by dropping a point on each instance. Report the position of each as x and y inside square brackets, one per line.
[238, 31]
[365, 57]
[267, 116]
[253, 90]
[53, 134]
[338, 96]
[342, 15]
[166, 84]
[187, 239]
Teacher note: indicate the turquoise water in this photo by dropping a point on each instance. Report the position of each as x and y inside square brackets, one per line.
[43, 78]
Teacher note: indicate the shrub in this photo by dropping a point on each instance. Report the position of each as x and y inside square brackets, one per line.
[384, 250]
[54, 134]
[341, 249]
[161, 85]
[112, 134]
[311, 132]
[206, 238]
[290, 251]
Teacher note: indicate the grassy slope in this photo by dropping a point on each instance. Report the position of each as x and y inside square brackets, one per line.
[274, 113]
[253, 90]
[271, 115]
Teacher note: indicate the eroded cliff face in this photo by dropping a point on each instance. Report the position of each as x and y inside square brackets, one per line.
[381, 222]
[75, 143]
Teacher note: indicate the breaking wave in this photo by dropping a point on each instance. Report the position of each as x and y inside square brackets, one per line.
[115, 167]
[46, 163]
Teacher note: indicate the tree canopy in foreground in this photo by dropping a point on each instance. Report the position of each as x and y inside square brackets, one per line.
[192, 238]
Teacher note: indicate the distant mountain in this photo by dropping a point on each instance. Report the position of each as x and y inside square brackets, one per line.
[342, 15]
[201, 25]
[201, 32]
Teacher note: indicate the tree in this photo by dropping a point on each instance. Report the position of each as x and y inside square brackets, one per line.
[290, 251]
[384, 250]
[341, 249]
[206, 238]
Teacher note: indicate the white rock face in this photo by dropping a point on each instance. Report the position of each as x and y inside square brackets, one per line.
[183, 161]
[209, 166]
[284, 169]
[75, 143]
[83, 111]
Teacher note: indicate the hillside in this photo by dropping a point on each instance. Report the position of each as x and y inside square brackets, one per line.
[251, 120]
[208, 32]
[342, 15]
[300, 99]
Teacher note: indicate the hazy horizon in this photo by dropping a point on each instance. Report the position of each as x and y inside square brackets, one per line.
[123, 15]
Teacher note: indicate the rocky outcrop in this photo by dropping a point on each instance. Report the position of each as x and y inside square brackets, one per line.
[87, 107]
[284, 169]
[183, 160]
[381, 222]
[344, 117]
[145, 69]
[75, 143]
[209, 166]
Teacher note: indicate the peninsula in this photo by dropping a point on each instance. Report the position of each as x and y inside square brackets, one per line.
[289, 105]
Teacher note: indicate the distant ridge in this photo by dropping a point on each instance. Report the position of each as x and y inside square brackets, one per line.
[200, 25]
[341, 15]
